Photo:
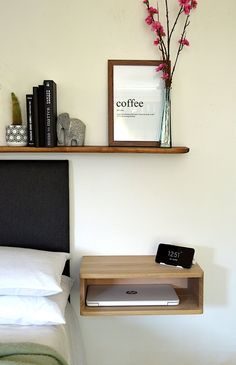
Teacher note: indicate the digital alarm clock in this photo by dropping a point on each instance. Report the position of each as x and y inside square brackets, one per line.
[175, 255]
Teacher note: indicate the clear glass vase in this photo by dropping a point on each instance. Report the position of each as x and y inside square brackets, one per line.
[165, 134]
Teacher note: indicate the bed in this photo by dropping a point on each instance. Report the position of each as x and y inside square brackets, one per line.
[37, 322]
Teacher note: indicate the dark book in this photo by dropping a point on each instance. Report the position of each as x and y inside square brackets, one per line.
[35, 116]
[41, 115]
[29, 116]
[50, 102]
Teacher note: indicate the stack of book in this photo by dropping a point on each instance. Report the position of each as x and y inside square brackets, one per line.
[41, 109]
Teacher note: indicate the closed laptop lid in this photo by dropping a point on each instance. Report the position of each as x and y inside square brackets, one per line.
[131, 295]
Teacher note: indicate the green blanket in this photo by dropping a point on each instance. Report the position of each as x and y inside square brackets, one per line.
[27, 353]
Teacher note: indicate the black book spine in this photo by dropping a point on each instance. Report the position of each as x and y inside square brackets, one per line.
[35, 116]
[41, 115]
[50, 100]
[29, 114]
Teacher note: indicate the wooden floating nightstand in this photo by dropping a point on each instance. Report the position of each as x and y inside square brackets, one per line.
[188, 283]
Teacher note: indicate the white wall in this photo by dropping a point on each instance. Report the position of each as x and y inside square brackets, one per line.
[126, 204]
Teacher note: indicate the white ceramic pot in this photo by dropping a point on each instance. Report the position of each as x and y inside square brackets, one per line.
[16, 135]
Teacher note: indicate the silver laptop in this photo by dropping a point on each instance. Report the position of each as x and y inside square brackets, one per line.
[131, 295]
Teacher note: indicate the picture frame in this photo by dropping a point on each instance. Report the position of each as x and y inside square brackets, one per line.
[135, 103]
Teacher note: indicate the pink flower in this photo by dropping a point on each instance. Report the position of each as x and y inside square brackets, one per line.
[165, 76]
[183, 2]
[157, 27]
[184, 42]
[149, 20]
[152, 10]
[145, 1]
[187, 9]
[156, 42]
[161, 67]
[194, 4]
[188, 5]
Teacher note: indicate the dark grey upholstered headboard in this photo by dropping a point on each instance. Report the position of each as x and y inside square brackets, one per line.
[34, 204]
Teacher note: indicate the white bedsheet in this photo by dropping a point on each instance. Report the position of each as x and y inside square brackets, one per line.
[65, 339]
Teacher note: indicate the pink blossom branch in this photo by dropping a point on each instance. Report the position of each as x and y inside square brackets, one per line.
[163, 50]
[186, 24]
[168, 30]
[176, 20]
[162, 46]
[158, 16]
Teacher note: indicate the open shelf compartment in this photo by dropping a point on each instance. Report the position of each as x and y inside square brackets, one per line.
[101, 270]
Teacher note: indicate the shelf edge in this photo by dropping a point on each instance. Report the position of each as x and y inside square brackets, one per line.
[95, 149]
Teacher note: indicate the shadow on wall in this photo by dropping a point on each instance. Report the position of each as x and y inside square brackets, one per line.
[149, 340]
[230, 360]
[216, 278]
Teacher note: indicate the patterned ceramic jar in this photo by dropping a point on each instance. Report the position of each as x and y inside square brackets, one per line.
[16, 135]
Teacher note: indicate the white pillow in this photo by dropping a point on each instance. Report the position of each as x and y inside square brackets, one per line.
[23, 310]
[30, 272]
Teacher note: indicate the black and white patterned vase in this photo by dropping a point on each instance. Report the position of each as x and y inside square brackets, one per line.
[16, 135]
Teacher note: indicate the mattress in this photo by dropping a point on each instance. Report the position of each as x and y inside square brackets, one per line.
[65, 339]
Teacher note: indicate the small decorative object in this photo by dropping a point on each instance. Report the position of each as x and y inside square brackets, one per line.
[70, 131]
[16, 133]
[163, 38]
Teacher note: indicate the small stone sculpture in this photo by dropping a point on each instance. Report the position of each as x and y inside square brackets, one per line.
[70, 131]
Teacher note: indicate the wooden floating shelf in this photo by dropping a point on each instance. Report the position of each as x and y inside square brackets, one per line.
[188, 283]
[94, 149]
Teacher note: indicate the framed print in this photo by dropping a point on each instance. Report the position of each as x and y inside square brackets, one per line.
[135, 103]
